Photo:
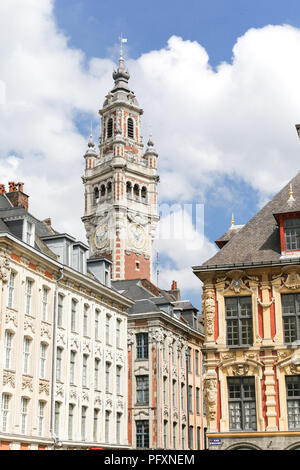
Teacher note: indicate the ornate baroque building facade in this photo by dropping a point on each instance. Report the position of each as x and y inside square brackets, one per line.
[62, 375]
[251, 292]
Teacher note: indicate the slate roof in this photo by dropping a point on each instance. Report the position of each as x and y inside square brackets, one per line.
[228, 235]
[259, 239]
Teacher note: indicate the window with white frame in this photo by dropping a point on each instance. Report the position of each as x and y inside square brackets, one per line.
[26, 355]
[43, 349]
[118, 430]
[24, 414]
[96, 424]
[11, 290]
[118, 333]
[28, 296]
[70, 421]
[107, 329]
[59, 353]
[83, 422]
[293, 401]
[84, 370]
[86, 309]
[45, 293]
[41, 417]
[96, 374]
[5, 411]
[97, 323]
[29, 233]
[60, 306]
[57, 418]
[73, 315]
[118, 379]
[107, 425]
[72, 367]
[8, 349]
[107, 377]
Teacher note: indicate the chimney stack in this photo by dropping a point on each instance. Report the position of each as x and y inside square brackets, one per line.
[16, 195]
[175, 291]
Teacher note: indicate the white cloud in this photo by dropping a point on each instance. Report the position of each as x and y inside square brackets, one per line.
[237, 120]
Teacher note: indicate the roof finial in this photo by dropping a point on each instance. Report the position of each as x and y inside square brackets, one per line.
[291, 193]
[232, 220]
[122, 41]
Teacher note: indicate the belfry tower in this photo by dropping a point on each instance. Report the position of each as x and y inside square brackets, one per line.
[121, 186]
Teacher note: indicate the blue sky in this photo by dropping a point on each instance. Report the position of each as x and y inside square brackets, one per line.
[219, 84]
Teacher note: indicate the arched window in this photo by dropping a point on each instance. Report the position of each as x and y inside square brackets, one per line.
[136, 191]
[144, 194]
[109, 128]
[102, 190]
[96, 195]
[129, 189]
[130, 128]
[109, 188]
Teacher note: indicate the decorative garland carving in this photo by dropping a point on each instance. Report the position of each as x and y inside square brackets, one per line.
[11, 317]
[9, 378]
[266, 304]
[44, 386]
[27, 382]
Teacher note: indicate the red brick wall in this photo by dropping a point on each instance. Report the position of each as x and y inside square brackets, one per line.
[130, 267]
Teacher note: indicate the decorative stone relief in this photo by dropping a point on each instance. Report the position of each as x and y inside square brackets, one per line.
[240, 369]
[209, 311]
[108, 403]
[175, 414]
[86, 346]
[289, 277]
[108, 355]
[166, 411]
[266, 304]
[59, 391]
[44, 386]
[61, 338]
[9, 378]
[97, 401]
[85, 397]
[119, 358]
[120, 405]
[156, 335]
[4, 267]
[45, 331]
[238, 280]
[74, 343]
[11, 317]
[27, 382]
[130, 338]
[210, 396]
[98, 350]
[29, 324]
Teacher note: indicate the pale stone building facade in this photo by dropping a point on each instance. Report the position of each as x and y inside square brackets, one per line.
[63, 332]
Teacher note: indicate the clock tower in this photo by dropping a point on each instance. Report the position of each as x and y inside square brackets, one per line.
[121, 186]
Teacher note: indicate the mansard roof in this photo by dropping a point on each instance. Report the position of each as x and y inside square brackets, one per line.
[259, 240]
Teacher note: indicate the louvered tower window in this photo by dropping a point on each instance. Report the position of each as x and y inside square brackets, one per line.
[109, 128]
[130, 128]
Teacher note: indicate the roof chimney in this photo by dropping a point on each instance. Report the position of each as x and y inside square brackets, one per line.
[16, 195]
[2, 189]
[175, 291]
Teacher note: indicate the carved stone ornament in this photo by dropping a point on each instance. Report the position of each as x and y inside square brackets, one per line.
[45, 331]
[59, 390]
[9, 378]
[120, 405]
[120, 358]
[4, 267]
[240, 369]
[74, 342]
[86, 346]
[44, 386]
[209, 311]
[156, 335]
[29, 324]
[266, 304]
[27, 382]
[108, 403]
[238, 280]
[97, 401]
[210, 395]
[166, 411]
[290, 277]
[130, 337]
[85, 397]
[11, 317]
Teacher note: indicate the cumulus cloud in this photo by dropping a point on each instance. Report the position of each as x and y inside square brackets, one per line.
[233, 121]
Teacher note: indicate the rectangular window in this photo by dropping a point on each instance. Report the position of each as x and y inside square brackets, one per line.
[142, 389]
[59, 352]
[60, 305]
[83, 422]
[174, 435]
[190, 399]
[118, 430]
[198, 438]
[174, 392]
[24, 413]
[182, 396]
[45, 304]
[43, 349]
[189, 362]
[26, 355]
[97, 321]
[96, 373]
[107, 421]
[5, 411]
[165, 389]
[118, 379]
[41, 417]
[107, 377]
[72, 367]
[142, 434]
[70, 421]
[11, 290]
[73, 315]
[142, 346]
[291, 317]
[84, 370]
[57, 418]
[165, 433]
[197, 362]
[118, 333]
[292, 234]
[85, 320]
[29, 233]
[293, 401]
[95, 427]
[28, 295]
[239, 321]
[191, 437]
[107, 329]
[241, 404]
[183, 437]
[197, 400]
[8, 348]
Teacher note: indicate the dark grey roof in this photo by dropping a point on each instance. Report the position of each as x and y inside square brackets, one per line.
[143, 306]
[259, 239]
[4, 202]
[228, 235]
[185, 305]
[132, 289]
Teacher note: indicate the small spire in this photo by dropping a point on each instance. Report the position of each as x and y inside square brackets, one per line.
[232, 220]
[122, 41]
[291, 193]
[91, 146]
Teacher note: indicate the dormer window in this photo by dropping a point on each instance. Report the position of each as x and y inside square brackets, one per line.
[130, 128]
[292, 234]
[109, 128]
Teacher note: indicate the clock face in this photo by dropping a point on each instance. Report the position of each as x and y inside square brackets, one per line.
[137, 235]
[101, 236]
